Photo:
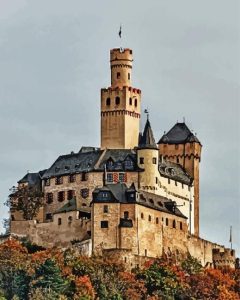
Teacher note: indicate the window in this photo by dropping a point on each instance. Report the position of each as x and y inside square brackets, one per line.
[145, 252]
[70, 218]
[176, 146]
[126, 215]
[189, 188]
[166, 221]
[108, 101]
[149, 218]
[182, 185]
[61, 196]
[109, 177]
[59, 180]
[128, 163]
[174, 224]
[49, 216]
[118, 75]
[135, 102]
[180, 225]
[66, 168]
[129, 76]
[70, 194]
[105, 208]
[72, 178]
[49, 198]
[154, 160]
[84, 193]
[117, 100]
[12, 218]
[142, 216]
[130, 101]
[84, 176]
[169, 180]
[59, 221]
[104, 224]
[47, 182]
[156, 179]
[121, 177]
[177, 160]
[141, 160]
[175, 182]
[157, 221]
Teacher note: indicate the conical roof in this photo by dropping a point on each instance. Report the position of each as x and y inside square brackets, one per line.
[147, 139]
[179, 134]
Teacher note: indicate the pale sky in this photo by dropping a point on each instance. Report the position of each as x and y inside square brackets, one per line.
[54, 59]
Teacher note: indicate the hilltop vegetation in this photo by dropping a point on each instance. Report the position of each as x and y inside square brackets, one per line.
[30, 272]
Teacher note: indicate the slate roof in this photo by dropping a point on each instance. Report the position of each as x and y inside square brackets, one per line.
[178, 134]
[119, 191]
[174, 171]
[72, 206]
[73, 163]
[33, 179]
[146, 140]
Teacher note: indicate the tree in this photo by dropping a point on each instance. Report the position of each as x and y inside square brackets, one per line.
[191, 265]
[48, 276]
[27, 199]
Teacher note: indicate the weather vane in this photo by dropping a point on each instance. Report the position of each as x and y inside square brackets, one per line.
[146, 112]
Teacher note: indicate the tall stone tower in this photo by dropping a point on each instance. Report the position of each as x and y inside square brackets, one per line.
[181, 146]
[120, 104]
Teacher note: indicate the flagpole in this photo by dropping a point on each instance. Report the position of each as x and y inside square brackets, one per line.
[230, 239]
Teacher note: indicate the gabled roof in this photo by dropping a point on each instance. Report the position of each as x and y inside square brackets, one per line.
[147, 138]
[33, 179]
[179, 134]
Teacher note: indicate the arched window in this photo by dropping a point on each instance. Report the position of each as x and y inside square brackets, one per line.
[157, 221]
[117, 100]
[130, 101]
[174, 224]
[135, 102]
[108, 101]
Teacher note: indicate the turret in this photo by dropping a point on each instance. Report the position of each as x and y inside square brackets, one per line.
[181, 146]
[147, 154]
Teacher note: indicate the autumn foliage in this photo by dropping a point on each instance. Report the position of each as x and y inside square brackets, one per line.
[62, 275]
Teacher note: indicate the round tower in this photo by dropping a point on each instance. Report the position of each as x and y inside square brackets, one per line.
[147, 156]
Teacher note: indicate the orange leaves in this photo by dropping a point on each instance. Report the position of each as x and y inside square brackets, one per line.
[83, 287]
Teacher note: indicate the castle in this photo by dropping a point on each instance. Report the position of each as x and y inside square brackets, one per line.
[131, 198]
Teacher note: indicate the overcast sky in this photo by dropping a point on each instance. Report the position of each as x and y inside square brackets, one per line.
[54, 59]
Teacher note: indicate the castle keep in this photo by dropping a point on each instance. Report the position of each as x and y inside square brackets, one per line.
[130, 198]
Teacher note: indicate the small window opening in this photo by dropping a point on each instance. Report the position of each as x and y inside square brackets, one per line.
[157, 221]
[141, 160]
[105, 208]
[84, 176]
[104, 224]
[70, 219]
[166, 221]
[126, 215]
[145, 252]
[117, 100]
[61, 196]
[181, 226]
[149, 218]
[129, 76]
[174, 224]
[108, 101]
[118, 75]
[154, 160]
[142, 216]
[135, 102]
[59, 221]
[130, 101]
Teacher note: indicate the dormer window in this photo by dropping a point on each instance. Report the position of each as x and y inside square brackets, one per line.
[128, 163]
[66, 168]
[109, 177]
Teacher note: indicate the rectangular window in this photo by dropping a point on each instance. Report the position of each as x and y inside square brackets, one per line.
[126, 215]
[129, 76]
[84, 176]
[105, 208]
[169, 180]
[118, 75]
[109, 177]
[70, 194]
[47, 182]
[180, 225]
[156, 180]
[59, 221]
[175, 182]
[49, 217]
[104, 224]
[49, 198]
[154, 160]
[121, 177]
[72, 178]
[58, 180]
[61, 196]
[182, 185]
[141, 160]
